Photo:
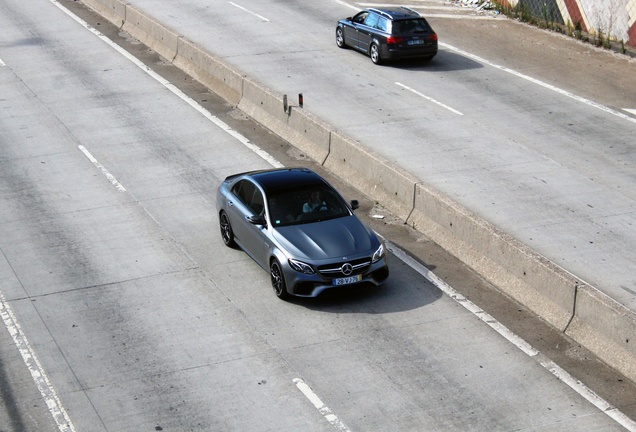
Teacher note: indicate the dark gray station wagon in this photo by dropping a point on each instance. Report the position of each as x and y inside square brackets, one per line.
[389, 33]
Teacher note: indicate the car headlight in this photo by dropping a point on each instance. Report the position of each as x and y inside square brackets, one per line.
[379, 254]
[300, 266]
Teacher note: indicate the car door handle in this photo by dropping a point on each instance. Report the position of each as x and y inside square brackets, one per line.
[230, 203]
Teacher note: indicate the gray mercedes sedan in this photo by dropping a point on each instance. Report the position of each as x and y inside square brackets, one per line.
[295, 225]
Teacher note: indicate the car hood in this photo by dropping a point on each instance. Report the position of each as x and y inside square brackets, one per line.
[339, 237]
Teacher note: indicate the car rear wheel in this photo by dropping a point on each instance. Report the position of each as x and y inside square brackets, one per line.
[340, 40]
[226, 230]
[374, 52]
[278, 280]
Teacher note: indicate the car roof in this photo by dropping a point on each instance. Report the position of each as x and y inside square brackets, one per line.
[398, 12]
[276, 179]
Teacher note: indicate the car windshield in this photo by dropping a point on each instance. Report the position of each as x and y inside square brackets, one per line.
[293, 206]
[411, 26]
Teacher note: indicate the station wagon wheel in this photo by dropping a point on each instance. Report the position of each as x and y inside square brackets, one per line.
[278, 280]
[375, 54]
[226, 230]
[340, 41]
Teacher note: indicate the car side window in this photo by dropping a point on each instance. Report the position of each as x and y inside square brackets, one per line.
[371, 20]
[360, 17]
[383, 24]
[257, 204]
[238, 190]
[250, 195]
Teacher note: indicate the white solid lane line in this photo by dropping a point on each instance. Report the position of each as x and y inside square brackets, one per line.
[40, 378]
[538, 82]
[524, 346]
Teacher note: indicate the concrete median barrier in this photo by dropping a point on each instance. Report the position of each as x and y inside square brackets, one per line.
[152, 33]
[511, 266]
[113, 10]
[607, 328]
[373, 175]
[209, 70]
[300, 128]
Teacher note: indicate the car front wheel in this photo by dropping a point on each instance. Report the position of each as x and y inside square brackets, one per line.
[278, 280]
[226, 230]
[340, 40]
[375, 54]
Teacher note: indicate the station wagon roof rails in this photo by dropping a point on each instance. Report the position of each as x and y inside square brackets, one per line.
[410, 10]
[381, 12]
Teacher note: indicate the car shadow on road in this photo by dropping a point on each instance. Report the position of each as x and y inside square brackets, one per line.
[404, 290]
[444, 61]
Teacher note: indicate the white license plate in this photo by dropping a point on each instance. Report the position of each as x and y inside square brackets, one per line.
[415, 42]
[347, 280]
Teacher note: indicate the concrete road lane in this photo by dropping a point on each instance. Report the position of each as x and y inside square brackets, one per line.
[143, 320]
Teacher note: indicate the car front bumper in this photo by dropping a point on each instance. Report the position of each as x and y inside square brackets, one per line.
[312, 285]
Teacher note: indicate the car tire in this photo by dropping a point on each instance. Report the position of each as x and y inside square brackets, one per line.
[226, 230]
[374, 53]
[340, 40]
[278, 280]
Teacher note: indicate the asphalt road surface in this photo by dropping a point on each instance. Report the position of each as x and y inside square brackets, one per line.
[114, 277]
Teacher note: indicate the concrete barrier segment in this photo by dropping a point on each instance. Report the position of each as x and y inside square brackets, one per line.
[209, 70]
[512, 267]
[113, 10]
[607, 328]
[373, 175]
[297, 126]
[150, 32]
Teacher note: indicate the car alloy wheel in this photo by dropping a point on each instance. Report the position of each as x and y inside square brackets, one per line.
[226, 230]
[278, 280]
[340, 37]
[375, 54]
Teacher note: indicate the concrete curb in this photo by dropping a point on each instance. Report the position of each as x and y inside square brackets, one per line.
[584, 313]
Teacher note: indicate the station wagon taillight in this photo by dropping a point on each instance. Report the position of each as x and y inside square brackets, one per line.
[393, 40]
[433, 37]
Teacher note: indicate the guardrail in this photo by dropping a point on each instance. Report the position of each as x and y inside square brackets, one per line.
[579, 310]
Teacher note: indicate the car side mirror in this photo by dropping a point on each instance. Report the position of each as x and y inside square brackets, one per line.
[349, 18]
[354, 204]
[256, 220]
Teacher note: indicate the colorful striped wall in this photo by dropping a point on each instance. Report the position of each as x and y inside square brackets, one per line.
[614, 17]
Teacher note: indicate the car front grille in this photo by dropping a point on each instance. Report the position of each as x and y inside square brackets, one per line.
[335, 269]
